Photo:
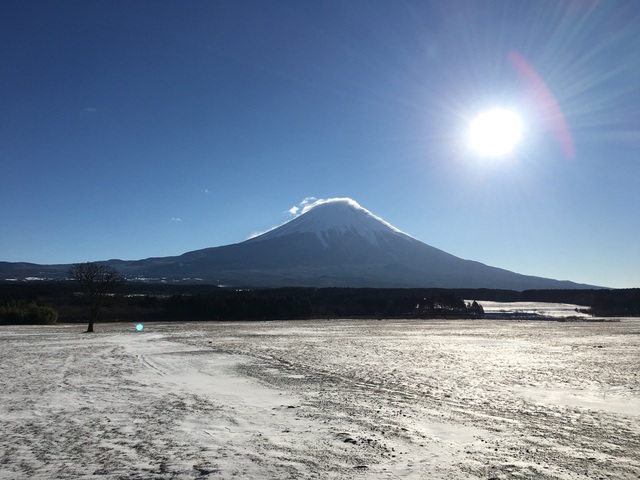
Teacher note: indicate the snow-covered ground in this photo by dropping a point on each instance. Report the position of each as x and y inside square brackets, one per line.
[322, 399]
[533, 309]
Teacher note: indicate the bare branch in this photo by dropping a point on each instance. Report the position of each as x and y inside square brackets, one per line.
[96, 280]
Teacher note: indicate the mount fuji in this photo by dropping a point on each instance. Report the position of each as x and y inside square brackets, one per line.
[333, 243]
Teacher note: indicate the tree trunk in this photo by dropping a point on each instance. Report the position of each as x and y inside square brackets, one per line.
[94, 305]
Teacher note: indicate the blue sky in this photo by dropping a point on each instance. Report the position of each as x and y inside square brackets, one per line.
[132, 129]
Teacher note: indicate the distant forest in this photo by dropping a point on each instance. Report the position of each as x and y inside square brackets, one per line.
[44, 302]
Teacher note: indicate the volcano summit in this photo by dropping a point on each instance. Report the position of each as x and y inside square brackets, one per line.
[333, 243]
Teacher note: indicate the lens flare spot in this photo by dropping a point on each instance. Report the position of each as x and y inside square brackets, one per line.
[548, 108]
[139, 327]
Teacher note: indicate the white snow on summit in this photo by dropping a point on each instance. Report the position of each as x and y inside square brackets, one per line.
[335, 216]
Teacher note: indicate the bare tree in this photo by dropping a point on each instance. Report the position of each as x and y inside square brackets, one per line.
[97, 280]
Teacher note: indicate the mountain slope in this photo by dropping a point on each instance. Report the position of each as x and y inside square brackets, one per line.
[333, 243]
[339, 243]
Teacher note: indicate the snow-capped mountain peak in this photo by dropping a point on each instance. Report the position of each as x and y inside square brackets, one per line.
[333, 243]
[335, 216]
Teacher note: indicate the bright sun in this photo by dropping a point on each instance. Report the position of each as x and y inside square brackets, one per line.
[495, 132]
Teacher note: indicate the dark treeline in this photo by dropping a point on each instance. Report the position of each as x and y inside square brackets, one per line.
[300, 303]
[26, 313]
[620, 303]
[146, 302]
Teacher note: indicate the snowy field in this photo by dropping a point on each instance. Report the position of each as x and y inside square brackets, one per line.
[322, 399]
[533, 310]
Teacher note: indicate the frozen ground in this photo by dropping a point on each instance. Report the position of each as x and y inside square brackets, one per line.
[322, 399]
[533, 310]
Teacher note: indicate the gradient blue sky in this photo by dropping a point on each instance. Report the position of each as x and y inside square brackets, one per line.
[132, 129]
